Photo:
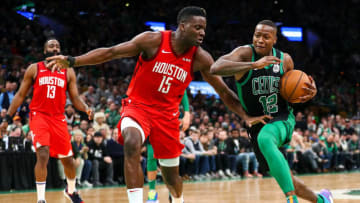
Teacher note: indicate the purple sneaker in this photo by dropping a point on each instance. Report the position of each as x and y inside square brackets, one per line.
[326, 195]
[74, 197]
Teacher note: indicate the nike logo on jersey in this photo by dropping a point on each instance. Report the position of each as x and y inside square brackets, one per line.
[186, 59]
[42, 71]
[165, 52]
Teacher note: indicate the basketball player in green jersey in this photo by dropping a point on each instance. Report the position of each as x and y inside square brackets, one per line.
[257, 69]
[152, 162]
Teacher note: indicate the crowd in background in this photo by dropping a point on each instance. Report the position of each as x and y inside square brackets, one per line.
[217, 144]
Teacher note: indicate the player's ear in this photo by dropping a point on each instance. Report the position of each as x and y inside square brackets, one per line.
[182, 27]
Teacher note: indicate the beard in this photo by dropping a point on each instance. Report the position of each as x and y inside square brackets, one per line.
[49, 54]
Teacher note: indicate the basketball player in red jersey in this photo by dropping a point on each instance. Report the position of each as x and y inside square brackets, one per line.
[47, 119]
[165, 68]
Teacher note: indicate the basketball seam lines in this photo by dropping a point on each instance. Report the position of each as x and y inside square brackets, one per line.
[297, 83]
[284, 88]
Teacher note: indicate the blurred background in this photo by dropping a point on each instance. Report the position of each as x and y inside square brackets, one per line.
[321, 37]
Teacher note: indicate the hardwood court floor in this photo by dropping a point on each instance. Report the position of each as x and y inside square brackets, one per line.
[234, 191]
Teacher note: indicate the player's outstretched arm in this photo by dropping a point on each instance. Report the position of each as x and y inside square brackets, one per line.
[78, 103]
[233, 62]
[24, 88]
[239, 62]
[97, 56]
[203, 63]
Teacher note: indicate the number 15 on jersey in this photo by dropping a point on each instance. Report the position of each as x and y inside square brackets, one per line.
[165, 85]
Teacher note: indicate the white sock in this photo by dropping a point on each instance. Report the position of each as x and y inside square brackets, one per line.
[40, 189]
[71, 185]
[135, 195]
[177, 200]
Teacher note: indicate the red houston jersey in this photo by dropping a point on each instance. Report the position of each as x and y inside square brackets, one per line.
[160, 82]
[49, 91]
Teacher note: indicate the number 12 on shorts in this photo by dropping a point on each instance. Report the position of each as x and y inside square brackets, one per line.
[51, 91]
[165, 85]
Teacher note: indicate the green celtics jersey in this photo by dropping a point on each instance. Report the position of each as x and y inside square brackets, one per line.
[259, 91]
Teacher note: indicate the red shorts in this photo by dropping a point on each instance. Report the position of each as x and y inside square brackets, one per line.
[51, 131]
[162, 128]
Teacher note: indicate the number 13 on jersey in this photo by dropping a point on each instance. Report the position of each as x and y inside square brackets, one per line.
[51, 91]
[165, 85]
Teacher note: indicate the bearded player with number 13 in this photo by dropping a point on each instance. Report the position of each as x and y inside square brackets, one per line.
[47, 119]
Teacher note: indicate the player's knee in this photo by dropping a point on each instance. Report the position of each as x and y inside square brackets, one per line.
[264, 139]
[132, 144]
[42, 155]
[172, 179]
[68, 162]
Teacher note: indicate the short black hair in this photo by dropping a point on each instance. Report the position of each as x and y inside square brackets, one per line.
[269, 23]
[51, 38]
[235, 129]
[190, 11]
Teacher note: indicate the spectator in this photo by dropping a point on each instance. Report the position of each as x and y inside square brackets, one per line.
[206, 139]
[112, 114]
[222, 158]
[7, 96]
[116, 152]
[15, 140]
[321, 153]
[186, 160]
[250, 158]
[331, 155]
[69, 114]
[201, 163]
[100, 160]
[2, 144]
[91, 96]
[348, 130]
[300, 122]
[84, 169]
[233, 152]
[29, 147]
[354, 149]
[3, 114]
[99, 123]
[84, 125]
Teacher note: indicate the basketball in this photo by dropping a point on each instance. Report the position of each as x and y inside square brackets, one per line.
[291, 85]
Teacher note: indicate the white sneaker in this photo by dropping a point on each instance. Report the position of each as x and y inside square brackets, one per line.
[86, 184]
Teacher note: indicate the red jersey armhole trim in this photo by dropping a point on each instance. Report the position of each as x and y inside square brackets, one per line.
[66, 78]
[192, 63]
[158, 50]
[37, 73]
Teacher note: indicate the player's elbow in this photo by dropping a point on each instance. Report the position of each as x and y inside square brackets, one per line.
[218, 68]
[214, 69]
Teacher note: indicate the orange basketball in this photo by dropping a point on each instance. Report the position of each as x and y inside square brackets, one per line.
[291, 85]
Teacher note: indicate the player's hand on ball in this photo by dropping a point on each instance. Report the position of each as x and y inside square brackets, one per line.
[265, 61]
[310, 89]
[57, 63]
[250, 121]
